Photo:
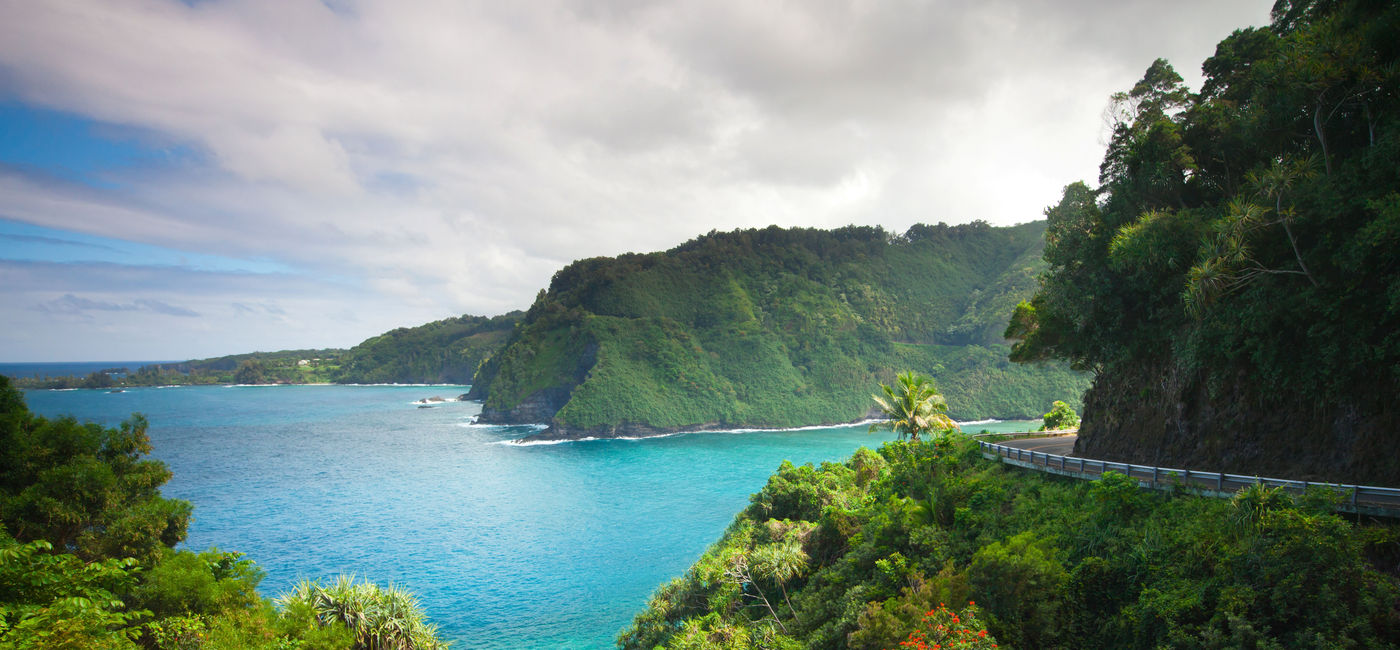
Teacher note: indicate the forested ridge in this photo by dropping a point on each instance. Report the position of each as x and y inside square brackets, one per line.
[774, 327]
[1234, 278]
[440, 352]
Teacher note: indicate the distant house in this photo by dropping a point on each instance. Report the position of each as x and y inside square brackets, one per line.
[304, 362]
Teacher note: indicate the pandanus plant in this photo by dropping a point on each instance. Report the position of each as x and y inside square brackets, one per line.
[381, 618]
[912, 407]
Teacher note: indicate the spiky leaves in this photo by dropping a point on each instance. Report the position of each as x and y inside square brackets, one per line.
[381, 618]
[913, 407]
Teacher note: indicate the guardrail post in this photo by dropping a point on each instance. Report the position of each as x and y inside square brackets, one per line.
[1220, 482]
[1354, 490]
[1154, 477]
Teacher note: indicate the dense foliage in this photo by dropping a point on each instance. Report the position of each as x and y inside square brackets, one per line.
[1060, 417]
[441, 352]
[87, 557]
[775, 327]
[1241, 248]
[872, 553]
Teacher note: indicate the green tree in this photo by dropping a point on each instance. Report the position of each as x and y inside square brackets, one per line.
[83, 487]
[50, 600]
[251, 371]
[912, 407]
[1060, 417]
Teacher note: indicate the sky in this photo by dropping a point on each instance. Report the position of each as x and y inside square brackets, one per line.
[193, 179]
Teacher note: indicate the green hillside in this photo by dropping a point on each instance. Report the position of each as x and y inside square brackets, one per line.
[774, 328]
[858, 555]
[441, 352]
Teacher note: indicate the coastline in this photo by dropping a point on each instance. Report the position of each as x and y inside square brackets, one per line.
[631, 431]
[553, 434]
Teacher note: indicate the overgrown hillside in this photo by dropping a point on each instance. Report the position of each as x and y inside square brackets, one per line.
[441, 352]
[854, 554]
[1235, 278]
[774, 327]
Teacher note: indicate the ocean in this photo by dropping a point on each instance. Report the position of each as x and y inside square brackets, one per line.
[75, 368]
[507, 546]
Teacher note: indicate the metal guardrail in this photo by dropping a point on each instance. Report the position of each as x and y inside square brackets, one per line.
[1362, 499]
[1051, 433]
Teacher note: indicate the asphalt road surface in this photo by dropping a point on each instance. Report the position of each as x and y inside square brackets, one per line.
[1060, 445]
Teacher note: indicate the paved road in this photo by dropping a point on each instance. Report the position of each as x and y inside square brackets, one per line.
[1061, 445]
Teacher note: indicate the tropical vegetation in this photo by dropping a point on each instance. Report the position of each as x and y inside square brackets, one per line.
[447, 351]
[1060, 418]
[88, 557]
[1233, 278]
[913, 406]
[923, 544]
[774, 327]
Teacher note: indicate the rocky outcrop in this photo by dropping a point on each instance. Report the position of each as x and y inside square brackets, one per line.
[538, 407]
[1160, 415]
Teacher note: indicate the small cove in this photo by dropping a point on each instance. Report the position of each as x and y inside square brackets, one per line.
[507, 546]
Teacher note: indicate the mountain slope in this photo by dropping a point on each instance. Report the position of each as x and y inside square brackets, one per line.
[444, 351]
[773, 328]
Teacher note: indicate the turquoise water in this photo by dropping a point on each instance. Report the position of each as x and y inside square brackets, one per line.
[507, 546]
[76, 368]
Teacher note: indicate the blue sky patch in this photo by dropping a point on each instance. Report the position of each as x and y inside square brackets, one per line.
[76, 148]
[31, 243]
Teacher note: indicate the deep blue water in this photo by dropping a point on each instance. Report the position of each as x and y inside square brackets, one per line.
[507, 546]
[75, 368]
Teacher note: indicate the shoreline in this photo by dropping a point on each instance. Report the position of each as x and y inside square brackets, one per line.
[641, 432]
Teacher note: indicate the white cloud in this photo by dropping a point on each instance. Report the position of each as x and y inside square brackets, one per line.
[448, 157]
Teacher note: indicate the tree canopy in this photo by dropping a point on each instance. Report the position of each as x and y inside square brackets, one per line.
[1243, 238]
[84, 488]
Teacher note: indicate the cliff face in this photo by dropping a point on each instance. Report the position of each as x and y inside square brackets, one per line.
[1154, 414]
[539, 406]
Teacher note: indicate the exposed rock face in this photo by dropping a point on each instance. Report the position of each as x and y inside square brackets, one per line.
[1154, 416]
[539, 407]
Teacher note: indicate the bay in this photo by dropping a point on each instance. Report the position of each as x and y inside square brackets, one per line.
[507, 546]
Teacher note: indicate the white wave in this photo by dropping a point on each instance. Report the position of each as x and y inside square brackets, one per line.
[418, 385]
[528, 443]
[484, 425]
[815, 427]
[517, 442]
[973, 422]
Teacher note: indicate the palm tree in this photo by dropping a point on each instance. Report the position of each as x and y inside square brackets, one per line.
[913, 406]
